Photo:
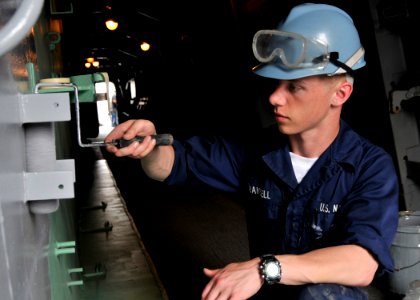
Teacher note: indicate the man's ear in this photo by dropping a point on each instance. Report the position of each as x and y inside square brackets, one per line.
[342, 93]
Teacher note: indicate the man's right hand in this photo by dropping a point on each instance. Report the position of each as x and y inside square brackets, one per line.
[127, 131]
[156, 162]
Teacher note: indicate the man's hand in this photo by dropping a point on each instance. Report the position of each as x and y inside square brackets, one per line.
[236, 281]
[156, 162]
[129, 130]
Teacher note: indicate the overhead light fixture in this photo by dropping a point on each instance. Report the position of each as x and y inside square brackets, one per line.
[90, 61]
[111, 24]
[145, 46]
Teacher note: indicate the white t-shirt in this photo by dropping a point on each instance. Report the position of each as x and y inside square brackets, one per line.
[301, 165]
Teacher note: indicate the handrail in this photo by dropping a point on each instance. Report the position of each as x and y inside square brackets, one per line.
[19, 25]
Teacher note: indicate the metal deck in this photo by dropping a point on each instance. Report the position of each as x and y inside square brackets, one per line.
[116, 264]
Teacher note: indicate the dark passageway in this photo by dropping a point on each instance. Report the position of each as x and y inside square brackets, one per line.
[182, 231]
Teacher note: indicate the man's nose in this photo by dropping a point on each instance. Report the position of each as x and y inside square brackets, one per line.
[277, 97]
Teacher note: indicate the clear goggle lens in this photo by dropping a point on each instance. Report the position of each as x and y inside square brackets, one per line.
[289, 49]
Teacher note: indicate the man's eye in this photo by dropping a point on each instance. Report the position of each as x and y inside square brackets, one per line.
[293, 87]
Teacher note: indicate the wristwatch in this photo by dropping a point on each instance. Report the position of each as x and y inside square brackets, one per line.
[270, 269]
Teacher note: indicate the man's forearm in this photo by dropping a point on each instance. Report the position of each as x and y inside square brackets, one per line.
[158, 164]
[348, 265]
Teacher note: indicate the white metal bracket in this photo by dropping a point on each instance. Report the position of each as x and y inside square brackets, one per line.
[45, 177]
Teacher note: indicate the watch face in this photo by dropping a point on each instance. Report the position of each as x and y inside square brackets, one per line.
[272, 269]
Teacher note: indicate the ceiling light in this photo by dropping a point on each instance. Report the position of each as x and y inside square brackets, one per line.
[145, 46]
[111, 24]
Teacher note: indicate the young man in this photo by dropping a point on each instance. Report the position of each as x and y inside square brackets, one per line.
[322, 201]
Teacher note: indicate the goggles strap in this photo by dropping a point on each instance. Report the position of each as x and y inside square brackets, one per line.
[349, 63]
[342, 66]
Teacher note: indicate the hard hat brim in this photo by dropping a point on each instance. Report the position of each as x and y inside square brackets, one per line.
[276, 72]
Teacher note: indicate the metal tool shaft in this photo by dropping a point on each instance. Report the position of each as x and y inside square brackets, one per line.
[163, 139]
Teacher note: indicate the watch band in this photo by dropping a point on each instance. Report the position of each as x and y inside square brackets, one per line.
[270, 269]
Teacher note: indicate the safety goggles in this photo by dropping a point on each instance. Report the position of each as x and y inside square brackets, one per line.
[291, 50]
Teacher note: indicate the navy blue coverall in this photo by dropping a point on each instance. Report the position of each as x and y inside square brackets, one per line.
[349, 196]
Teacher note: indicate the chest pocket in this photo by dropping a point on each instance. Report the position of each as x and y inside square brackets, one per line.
[323, 212]
[321, 222]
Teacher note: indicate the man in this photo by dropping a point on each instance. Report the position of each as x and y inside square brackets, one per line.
[322, 201]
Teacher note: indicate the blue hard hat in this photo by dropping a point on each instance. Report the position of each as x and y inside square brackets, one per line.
[317, 28]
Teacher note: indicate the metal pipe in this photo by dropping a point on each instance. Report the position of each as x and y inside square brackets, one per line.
[20, 24]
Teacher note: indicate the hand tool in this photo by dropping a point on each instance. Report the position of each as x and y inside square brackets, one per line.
[163, 139]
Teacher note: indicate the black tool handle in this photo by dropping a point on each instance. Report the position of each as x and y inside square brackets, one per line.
[163, 139]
